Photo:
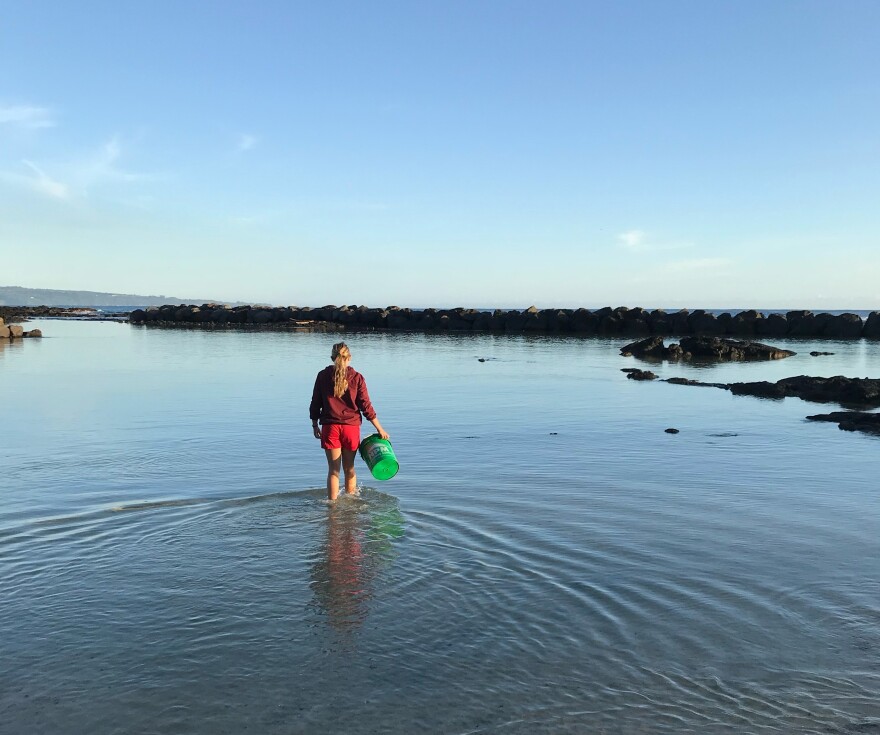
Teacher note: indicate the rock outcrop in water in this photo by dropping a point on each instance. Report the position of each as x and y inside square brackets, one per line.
[703, 348]
[605, 322]
[862, 392]
[839, 389]
[851, 420]
[16, 331]
[636, 374]
[23, 313]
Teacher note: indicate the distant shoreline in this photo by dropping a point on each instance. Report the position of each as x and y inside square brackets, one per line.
[50, 297]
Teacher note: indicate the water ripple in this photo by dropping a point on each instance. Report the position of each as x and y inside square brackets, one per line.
[547, 561]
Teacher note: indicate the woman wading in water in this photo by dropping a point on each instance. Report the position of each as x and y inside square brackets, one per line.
[338, 400]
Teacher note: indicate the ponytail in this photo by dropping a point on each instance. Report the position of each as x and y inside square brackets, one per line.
[340, 356]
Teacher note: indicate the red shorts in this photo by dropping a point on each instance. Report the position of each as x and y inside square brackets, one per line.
[340, 436]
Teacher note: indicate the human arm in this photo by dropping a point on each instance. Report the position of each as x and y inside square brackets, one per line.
[379, 430]
[315, 408]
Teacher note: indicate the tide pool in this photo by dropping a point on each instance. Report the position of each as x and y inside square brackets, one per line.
[547, 560]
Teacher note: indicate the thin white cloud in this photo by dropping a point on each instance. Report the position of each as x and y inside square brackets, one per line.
[246, 142]
[77, 178]
[44, 184]
[632, 240]
[26, 116]
[101, 166]
[639, 241]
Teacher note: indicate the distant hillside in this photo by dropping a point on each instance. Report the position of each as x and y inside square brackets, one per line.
[18, 296]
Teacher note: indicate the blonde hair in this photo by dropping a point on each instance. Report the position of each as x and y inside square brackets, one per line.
[340, 356]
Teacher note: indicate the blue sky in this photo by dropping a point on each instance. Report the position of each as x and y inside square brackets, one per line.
[701, 154]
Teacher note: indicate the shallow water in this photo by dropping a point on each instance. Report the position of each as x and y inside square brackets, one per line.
[548, 559]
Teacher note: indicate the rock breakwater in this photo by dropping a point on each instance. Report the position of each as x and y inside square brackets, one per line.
[599, 322]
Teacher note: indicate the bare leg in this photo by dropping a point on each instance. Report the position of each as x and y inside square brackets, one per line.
[333, 461]
[348, 456]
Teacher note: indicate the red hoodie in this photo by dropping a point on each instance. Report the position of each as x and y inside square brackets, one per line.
[345, 410]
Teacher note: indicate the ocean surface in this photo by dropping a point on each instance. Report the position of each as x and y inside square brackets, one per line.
[548, 560]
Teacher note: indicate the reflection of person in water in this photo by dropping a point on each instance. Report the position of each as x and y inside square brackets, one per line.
[359, 542]
[341, 579]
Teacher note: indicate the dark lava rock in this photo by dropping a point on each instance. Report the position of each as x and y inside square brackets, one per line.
[814, 353]
[648, 347]
[637, 320]
[688, 381]
[262, 316]
[744, 323]
[671, 431]
[680, 322]
[610, 324]
[839, 389]
[794, 319]
[707, 348]
[684, 381]
[845, 391]
[660, 322]
[584, 321]
[605, 321]
[701, 322]
[851, 420]
[844, 326]
[802, 324]
[23, 313]
[641, 375]
[717, 348]
[725, 322]
[33, 333]
[775, 325]
[871, 329]
[759, 389]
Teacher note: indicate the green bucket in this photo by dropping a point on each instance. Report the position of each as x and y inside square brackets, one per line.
[379, 456]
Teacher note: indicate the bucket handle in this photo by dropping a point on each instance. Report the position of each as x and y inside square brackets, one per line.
[376, 434]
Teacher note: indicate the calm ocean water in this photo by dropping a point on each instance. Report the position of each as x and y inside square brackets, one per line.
[548, 560]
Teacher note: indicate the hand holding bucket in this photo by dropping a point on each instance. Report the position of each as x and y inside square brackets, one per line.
[379, 456]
